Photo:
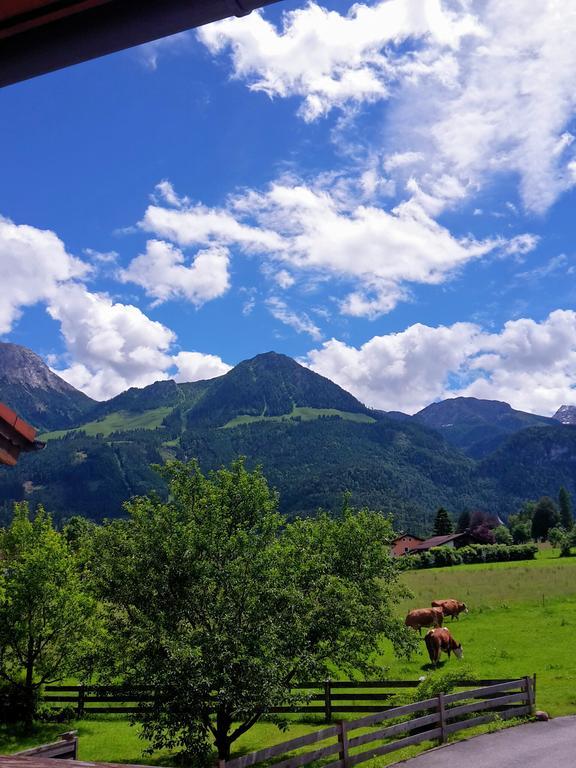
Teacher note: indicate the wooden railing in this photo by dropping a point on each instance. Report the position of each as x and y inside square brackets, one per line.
[327, 698]
[66, 748]
[432, 719]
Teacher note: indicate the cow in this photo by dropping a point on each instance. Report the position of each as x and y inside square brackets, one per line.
[438, 640]
[450, 607]
[424, 617]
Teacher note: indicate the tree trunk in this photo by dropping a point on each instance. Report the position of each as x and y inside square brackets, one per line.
[29, 697]
[222, 738]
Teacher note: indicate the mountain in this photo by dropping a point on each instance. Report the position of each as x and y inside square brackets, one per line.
[314, 441]
[531, 463]
[161, 394]
[566, 414]
[37, 394]
[477, 427]
[270, 385]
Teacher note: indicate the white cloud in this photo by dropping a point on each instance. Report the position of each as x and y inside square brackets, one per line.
[113, 346]
[528, 364]
[163, 273]
[509, 106]
[308, 230]
[164, 192]
[403, 371]
[301, 323]
[333, 60]
[195, 366]
[284, 279]
[476, 87]
[34, 264]
[199, 224]
[103, 257]
[521, 245]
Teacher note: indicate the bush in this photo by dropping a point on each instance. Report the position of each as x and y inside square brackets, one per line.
[503, 535]
[14, 703]
[48, 714]
[440, 557]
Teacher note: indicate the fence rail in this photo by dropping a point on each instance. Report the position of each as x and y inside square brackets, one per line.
[66, 748]
[432, 719]
[326, 698]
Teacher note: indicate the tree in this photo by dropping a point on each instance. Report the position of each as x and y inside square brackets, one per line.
[565, 505]
[220, 605]
[45, 611]
[442, 524]
[482, 525]
[463, 522]
[502, 535]
[521, 532]
[545, 517]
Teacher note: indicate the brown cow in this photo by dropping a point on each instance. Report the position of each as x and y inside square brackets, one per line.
[450, 607]
[438, 640]
[424, 617]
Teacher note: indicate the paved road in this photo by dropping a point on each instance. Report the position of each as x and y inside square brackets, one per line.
[533, 745]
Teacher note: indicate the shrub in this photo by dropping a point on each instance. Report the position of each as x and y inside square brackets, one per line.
[440, 557]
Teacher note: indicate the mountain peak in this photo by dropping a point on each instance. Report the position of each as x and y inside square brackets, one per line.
[37, 394]
[270, 384]
[566, 414]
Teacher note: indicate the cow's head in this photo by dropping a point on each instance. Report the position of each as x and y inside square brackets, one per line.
[463, 607]
[458, 652]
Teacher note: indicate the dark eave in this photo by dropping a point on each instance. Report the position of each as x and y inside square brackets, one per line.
[40, 36]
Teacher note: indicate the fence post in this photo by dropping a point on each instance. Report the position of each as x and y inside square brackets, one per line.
[81, 700]
[72, 737]
[442, 713]
[327, 700]
[343, 741]
[529, 692]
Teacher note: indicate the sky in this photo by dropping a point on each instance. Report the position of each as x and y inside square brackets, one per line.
[384, 191]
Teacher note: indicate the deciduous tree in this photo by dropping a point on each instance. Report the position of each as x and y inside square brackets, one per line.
[545, 517]
[46, 614]
[220, 605]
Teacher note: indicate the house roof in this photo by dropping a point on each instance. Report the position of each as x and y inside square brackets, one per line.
[406, 533]
[16, 436]
[40, 36]
[436, 541]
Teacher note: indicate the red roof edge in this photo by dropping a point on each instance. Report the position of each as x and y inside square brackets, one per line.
[19, 425]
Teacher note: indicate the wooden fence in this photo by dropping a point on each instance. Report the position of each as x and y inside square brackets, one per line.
[432, 719]
[327, 698]
[66, 748]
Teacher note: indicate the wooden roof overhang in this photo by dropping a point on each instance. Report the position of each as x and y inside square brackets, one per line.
[40, 36]
[15, 436]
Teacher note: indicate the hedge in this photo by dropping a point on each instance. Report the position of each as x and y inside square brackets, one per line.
[441, 557]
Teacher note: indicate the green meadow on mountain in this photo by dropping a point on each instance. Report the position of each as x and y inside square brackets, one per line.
[314, 440]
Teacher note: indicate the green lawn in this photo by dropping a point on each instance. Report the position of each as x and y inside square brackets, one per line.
[121, 421]
[303, 414]
[522, 620]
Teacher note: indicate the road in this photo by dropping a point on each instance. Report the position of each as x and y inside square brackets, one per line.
[533, 745]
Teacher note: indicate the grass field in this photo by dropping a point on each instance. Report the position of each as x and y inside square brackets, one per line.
[304, 414]
[116, 422]
[522, 620]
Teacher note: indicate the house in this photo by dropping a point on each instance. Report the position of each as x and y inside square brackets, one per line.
[404, 543]
[452, 540]
[15, 436]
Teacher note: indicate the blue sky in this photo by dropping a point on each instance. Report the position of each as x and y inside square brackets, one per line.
[385, 193]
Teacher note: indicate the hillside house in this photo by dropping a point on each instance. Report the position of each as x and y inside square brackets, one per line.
[403, 543]
[15, 436]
